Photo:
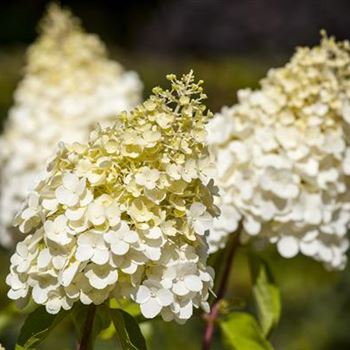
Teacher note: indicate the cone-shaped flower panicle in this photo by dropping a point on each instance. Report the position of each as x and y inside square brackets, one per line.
[125, 215]
[69, 86]
[283, 157]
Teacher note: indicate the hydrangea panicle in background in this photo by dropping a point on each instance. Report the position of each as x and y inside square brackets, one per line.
[283, 157]
[68, 87]
[126, 215]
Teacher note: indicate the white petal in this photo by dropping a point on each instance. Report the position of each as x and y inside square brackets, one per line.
[60, 223]
[70, 181]
[325, 253]
[112, 277]
[97, 282]
[153, 253]
[58, 261]
[143, 294]
[79, 190]
[44, 258]
[201, 226]
[197, 209]
[66, 197]
[205, 306]
[180, 288]
[309, 248]
[84, 253]
[288, 246]
[186, 311]
[53, 306]
[17, 294]
[69, 273]
[101, 256]
[85, 299]
[75, 214]
[87, 239]
[120, 248]
[154, 233]
[48, 227]
[39, 294]
[151, 308]
[251, 226]
[50, 204]
[193, 283]
[130, 269]
[86, 198]
[165, 297]
[131, 237]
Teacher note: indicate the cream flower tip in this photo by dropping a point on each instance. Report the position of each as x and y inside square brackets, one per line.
[124, 215]
[69, 86]
[282, 156]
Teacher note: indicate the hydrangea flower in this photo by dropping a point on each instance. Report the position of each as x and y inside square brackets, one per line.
[283, 156]
[111, 221]
[69, 86]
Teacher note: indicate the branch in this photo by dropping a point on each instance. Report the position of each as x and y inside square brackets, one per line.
[214, 312]
[88, 326]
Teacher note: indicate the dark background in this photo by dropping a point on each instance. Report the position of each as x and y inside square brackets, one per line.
[230, 45]
[204, 28]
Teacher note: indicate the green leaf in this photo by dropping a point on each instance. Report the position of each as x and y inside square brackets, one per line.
[128, 330]
[266, 296]
[108, 332]
[37, 327]
[129, 306]
[241, 332]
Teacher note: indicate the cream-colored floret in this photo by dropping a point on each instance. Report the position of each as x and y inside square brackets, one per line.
[125, 216]
[69, 86]
[283, 157]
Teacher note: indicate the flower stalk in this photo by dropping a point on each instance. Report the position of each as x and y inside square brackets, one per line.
[88, 327]
[212, 316]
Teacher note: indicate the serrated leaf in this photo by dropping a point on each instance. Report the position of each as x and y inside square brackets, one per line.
[266, 296]
[37, 327]
[241, 332]
[128, 330]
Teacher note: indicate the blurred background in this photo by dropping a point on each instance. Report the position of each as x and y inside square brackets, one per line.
[230, 44]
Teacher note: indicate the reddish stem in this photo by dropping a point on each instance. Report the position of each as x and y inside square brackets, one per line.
[211, 317]
[88, 326]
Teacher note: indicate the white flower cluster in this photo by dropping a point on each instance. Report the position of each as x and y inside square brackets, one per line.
[69, 85]
[283, 157]
[125, 216]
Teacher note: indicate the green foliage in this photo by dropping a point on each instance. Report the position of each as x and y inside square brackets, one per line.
[266, 295]
[240, 331]
[129, 306]
[128, 330]
[37, 327]
[39, 324]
